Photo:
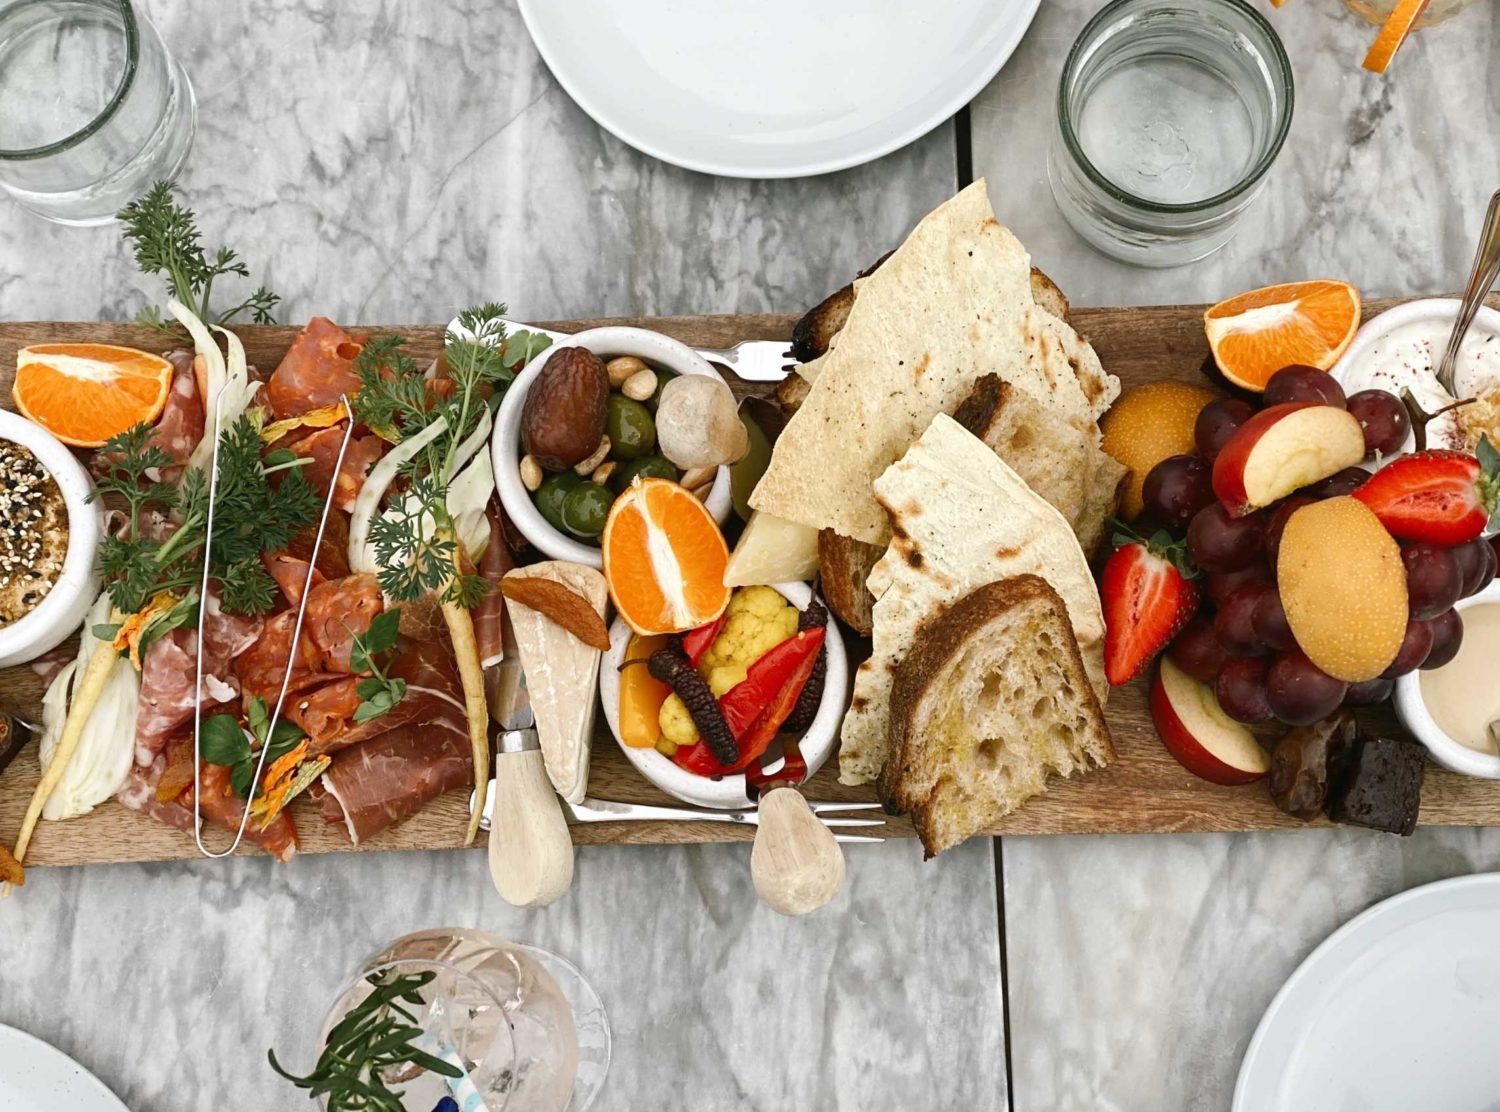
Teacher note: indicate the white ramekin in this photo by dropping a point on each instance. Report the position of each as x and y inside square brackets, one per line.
[505, 445]
[1413, 712]
[1440, 309]
[60, 612]
[816, 746]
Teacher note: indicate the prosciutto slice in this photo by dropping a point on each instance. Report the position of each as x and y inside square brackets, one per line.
[182, 421]
[322, 447]
[317, 369]
[413, 753]
[168, 670]
[339, 611]
[220, 806]
[490, 616]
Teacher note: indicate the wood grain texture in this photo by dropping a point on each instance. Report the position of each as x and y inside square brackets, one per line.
[1144, 791]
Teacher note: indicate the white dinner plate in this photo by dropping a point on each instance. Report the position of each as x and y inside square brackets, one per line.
[36, 1077]
[1398, 1011]
[774, 88]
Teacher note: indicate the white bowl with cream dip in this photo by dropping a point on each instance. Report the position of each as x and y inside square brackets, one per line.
[58, 613]
[1402, 348]
[1450, 709]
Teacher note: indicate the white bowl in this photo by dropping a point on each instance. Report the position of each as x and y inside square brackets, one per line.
[1413, 712]
[816, 746]
[61, 611]
[505, 445]
[1440, 309]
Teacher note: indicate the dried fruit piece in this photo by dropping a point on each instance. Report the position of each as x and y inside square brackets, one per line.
[11, 870]
[562, 421]
[558, 604]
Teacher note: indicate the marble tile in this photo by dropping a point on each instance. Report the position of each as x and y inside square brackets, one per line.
[171, 981]
[1139, 967]
[1383, 180]
[391, 162]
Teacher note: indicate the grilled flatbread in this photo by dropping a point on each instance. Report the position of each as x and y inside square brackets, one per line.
[961, 518]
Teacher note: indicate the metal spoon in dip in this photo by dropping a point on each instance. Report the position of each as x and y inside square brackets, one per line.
[1481, 280]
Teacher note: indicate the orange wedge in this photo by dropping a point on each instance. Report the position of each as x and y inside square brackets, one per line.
[1254, 335]
[83, 394]
[1393, 33]
[664, 559]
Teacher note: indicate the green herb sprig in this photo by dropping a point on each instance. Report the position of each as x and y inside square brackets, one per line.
[223, 741]
[250, 517]
[164, 235]
[376, 1035]
[415, 544]
[380, 692]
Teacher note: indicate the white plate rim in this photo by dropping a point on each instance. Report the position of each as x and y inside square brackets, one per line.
[108, 1101]
[1314, 964]
[948, 109]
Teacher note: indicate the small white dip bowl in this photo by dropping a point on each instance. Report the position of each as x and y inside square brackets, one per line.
[816, 746]
[1413, 712]
[653, 347]
[63, 608]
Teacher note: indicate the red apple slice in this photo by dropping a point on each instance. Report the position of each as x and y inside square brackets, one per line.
[1195, 730]
[1282, 449]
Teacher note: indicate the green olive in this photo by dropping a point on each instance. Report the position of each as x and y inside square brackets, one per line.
[663, 376]
[549, 496]
[585, 509]
[649, 467]
[629, 426]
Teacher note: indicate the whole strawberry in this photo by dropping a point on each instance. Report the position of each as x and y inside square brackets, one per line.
[1149, 593]
[1440, 496]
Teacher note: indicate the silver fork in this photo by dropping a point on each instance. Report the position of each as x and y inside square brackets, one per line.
[607, 810]
[750, 360]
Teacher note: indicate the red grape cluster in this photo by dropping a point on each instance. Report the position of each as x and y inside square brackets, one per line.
[1240, 643]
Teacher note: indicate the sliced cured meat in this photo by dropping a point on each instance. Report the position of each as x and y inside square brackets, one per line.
[373, 785]
[434, 694]
[220, 806]
[290, 573]
[339, 611]
[262, 667]
[490, 616]
[333, 554]
[167, 675]
[322, 447]
[316, 370]
[326, 712]
[181, 424]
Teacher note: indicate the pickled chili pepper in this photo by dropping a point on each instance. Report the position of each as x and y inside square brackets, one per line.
[757, 706]
[814, 617]
[695, 642]
[672, 667]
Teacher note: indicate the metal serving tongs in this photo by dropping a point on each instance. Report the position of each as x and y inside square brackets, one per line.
[1481, 280]
[286, 676]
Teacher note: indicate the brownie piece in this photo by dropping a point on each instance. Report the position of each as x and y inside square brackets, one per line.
[1381, 785]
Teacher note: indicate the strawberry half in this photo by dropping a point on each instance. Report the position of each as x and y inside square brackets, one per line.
[1440, 496]
[1148, 596]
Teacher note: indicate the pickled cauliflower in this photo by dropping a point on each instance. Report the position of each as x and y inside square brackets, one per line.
[757, 620]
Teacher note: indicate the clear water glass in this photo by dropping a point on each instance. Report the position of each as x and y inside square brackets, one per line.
[1169, 115]
[526, 1028]
[93, 109]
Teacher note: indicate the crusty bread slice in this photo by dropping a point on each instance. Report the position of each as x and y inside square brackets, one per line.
[991, 699]
[844, 567]
[1101, 499]
[1047, 295]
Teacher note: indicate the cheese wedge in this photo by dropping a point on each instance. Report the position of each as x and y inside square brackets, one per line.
[562, 675]
[772, 550]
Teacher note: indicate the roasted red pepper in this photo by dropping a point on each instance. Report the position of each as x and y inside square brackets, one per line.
[756, 707]
[695, 642]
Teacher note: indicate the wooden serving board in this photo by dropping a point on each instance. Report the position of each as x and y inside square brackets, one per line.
[1143, 791]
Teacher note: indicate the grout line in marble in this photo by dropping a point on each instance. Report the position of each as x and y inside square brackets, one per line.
[1010, 1080]
[963, 147]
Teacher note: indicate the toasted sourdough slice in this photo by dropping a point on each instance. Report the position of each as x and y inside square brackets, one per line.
[844, 568]
[961, 518]
[991, 699]
[954, 302]
[1101, 500]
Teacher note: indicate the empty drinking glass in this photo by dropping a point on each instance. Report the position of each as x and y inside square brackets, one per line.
[92, 107]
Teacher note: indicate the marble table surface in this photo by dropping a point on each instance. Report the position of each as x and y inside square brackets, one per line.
[389, 162]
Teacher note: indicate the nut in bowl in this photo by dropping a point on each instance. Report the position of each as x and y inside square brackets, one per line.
[587, 416]
[48, 580]
[818, 739]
